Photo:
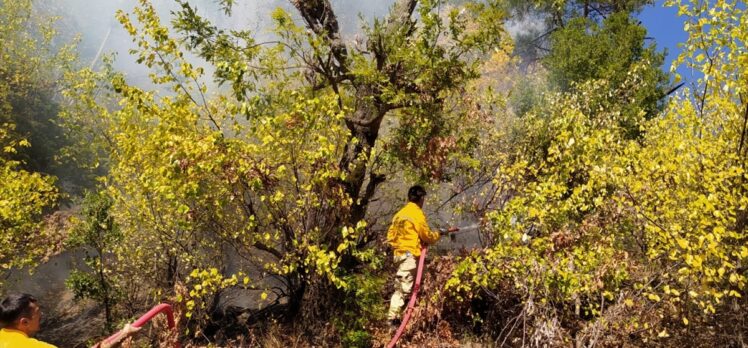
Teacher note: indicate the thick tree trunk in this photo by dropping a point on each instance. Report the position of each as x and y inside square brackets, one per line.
[364, 124]
[366, 119]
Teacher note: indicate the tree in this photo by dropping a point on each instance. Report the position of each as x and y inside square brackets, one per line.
[28, 59]
[34, 58]
[588, 40]
[26, 196]
[584, 50]
[534, 43]
[281, 168]
[608, 238]
[98, 231]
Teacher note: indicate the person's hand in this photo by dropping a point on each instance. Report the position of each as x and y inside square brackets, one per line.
[126, 332]
[129, 330]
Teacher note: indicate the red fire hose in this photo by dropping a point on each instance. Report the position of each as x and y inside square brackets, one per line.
[165, 308]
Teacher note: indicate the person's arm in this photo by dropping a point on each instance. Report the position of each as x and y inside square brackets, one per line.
[425, 233]
[126, 332]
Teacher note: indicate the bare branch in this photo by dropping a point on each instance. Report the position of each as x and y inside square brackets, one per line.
[320, 18]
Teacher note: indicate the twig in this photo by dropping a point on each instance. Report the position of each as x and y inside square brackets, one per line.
[742, 133]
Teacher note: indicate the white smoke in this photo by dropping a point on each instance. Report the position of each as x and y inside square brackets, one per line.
[529, 23]
[101, 33]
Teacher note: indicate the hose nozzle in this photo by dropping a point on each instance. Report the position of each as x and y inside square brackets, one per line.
[448, 230]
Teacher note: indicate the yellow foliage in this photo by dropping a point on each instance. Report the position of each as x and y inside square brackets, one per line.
[594, 213]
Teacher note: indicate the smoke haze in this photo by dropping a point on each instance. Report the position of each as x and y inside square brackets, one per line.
[101, 33]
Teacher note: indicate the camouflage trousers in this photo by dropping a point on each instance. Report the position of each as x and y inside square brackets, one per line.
[406, 271]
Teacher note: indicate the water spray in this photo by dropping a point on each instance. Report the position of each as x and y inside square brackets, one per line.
[452, 230]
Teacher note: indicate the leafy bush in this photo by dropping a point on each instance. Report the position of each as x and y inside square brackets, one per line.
[601, 236]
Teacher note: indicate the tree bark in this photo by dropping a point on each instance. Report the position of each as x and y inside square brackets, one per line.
[364, 124]
[369, 110]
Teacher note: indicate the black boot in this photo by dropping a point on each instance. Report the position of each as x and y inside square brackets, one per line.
[394, 325]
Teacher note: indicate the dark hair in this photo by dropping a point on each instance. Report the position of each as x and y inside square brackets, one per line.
[14, 307]
[416, 193]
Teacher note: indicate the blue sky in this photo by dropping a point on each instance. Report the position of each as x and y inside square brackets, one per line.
[664, 25]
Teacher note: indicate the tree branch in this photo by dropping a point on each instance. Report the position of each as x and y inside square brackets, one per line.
[400, 15]
[320, 18]
[743, 132]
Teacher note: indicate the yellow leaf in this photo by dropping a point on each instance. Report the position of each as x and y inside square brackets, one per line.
[532, 212]
[683, 243]
[697, 261]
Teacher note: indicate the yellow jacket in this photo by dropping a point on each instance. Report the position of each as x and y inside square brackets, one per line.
[409, 230]
[17, 339]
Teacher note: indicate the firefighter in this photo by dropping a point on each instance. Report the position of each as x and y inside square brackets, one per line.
[20, 318]
[408, 232]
